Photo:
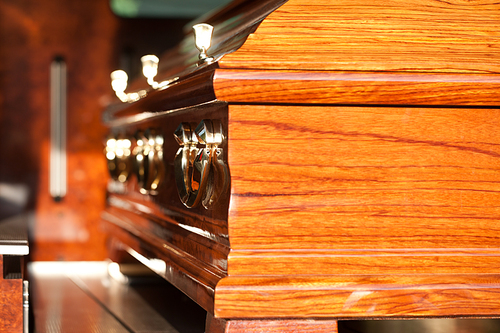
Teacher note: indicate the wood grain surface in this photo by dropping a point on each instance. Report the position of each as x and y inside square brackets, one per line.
[356, 189]
[320, 87]
[382, 261]
[343, 211]
[396, 35]
[217, 325]
[397, 296]
[11, 303]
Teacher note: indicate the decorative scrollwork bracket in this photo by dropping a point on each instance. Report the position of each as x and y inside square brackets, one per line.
[201, 175]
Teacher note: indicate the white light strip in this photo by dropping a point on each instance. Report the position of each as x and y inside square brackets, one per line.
[17, 250]
[69, 268]
[57, 176]
[156, 265]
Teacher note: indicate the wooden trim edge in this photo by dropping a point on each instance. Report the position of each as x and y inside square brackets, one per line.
[398, 296]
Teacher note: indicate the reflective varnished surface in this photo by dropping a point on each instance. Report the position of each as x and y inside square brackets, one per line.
[193, 242]
[358, 88]
[359, 296]
[363, 159]
[397, 35]
[95, 297]
[389, 178]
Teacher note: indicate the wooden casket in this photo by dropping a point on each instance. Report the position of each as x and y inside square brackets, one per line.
[321, 160]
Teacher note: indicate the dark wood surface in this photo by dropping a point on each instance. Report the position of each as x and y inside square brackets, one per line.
[196, 88]
[232, 25]
[193, 243]
[193, 277]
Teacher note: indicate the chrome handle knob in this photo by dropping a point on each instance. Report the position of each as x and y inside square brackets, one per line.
[118, 156]
[119, 83]
[119, 80]
[150, 68]
[150, 169]
[183, 163]
[203, 39]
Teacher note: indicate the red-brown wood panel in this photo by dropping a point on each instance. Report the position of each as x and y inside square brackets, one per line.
[216, 325]
[11, 303]
[344, 296]
[359, 188]
[321, 87]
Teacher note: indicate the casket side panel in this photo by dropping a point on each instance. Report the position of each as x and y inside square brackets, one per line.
[356, 190]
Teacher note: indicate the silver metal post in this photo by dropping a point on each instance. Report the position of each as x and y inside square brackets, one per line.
[26, 307]
[57, 176]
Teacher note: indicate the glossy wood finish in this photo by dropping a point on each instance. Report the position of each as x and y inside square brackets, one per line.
[253, 326]
[410, 187]
[83, 297]
[358, 260]
[11, 303]
[357, 190]
[232, 25]
[193, 243]
[384, 191]
[196, 88]
[344, 296]
[144, 302]
[318, 87]
[363, 178]
[60, 306]
[193, 277]
[397, 35]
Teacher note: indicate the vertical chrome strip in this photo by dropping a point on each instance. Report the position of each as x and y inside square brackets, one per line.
[26, 307]
[57, 176]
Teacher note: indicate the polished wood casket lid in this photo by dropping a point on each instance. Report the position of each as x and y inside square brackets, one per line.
[342, 52]
[359, 35]
[360, 145]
